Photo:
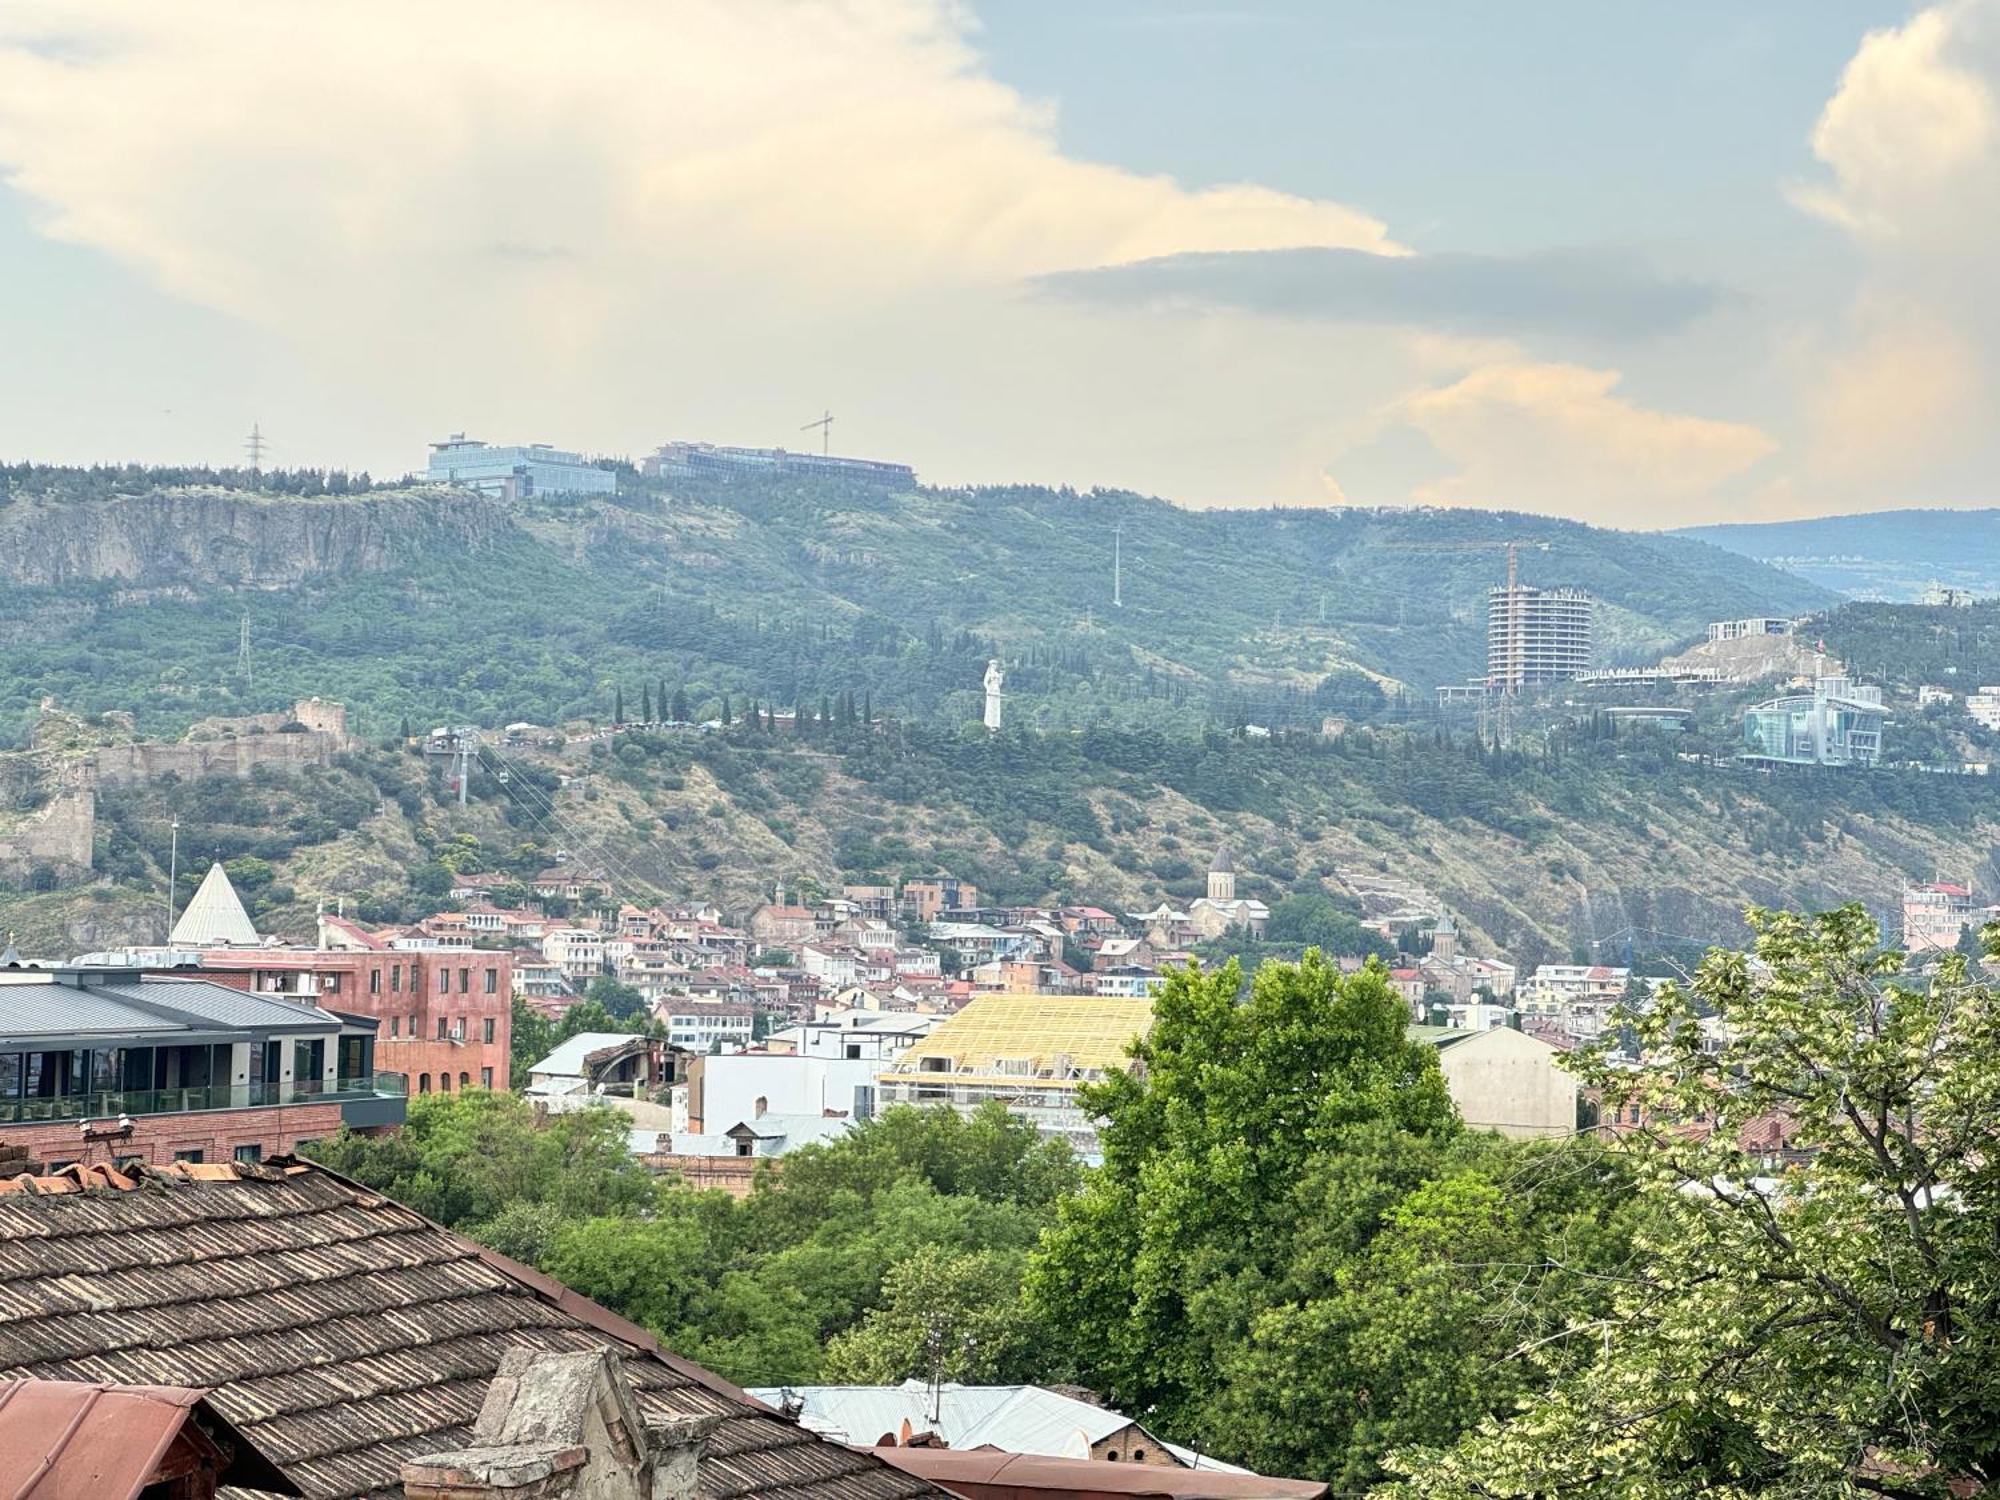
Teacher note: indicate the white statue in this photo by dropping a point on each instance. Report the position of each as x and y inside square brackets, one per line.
[994, 677]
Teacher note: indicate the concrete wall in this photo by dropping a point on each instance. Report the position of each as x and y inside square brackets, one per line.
[724, 1090]
[1503, 1080]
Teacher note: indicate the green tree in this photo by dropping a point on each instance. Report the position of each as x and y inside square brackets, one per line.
[621, 1002]
[1280, 1253]
[1817, 1324]
[533, 1037]
[618, 705]
[959, 1315]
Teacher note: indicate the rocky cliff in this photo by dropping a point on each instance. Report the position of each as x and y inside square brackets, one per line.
[196, 537]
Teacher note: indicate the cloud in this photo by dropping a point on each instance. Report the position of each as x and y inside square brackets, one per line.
[1909, 137]
[1593, 295]
[608, 222]
[1559, 439]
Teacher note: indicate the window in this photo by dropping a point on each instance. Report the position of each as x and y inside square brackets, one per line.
[444, 1028]
[423, 1083]
[1138, 1455]
[444, 1083]
[396, 977]
[492, 981]
[464, 1080]
[444, 981]
[413, 1023]
[486, 1078]
[250, 1153]
[465, 982]
[332, 985]
[395, 1026]
[374, 981]
[489, 1030]
[192, 1156]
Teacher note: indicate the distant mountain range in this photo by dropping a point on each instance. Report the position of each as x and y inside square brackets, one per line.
[1888, 554]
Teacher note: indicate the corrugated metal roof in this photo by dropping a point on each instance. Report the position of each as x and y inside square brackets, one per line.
[339, 1331]
[567, 1061]
[215, 917]
[1004, 1476]
[1013, 1418]
[38, 1006]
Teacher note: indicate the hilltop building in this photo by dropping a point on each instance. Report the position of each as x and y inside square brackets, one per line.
[1944, 596]
[1737, 630]
[714, 459]
[1839, 723]
[1536, 635]
[517, 471]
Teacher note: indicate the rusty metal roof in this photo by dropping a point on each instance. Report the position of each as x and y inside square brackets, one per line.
[65, 1440]
[339, 1331]
[989, 1474]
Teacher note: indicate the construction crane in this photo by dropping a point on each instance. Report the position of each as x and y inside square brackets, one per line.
[825, 426]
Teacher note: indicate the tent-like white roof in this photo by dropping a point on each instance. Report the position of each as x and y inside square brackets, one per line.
[215, 918]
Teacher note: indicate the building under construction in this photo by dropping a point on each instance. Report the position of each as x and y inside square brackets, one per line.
[1536, 635]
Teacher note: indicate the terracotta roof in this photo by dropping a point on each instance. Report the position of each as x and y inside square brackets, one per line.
[64, 1440]
[338, 1331]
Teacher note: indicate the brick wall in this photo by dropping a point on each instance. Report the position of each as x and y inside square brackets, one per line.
[158, 1138]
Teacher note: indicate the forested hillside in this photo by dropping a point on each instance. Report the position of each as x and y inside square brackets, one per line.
[128, 590]
[1605, 843]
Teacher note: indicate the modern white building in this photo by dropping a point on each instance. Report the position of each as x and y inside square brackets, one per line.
[515, 471]
[703, 1025]
[1839, 723]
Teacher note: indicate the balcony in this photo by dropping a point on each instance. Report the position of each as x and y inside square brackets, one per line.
[361, 1099]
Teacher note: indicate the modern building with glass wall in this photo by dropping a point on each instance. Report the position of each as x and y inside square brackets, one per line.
[111, 1065]
[1839, 723]
[517, 471]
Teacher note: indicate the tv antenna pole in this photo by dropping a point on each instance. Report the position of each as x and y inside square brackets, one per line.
[825, 426]
[1118, 565]
[243, 651]
[173, 869]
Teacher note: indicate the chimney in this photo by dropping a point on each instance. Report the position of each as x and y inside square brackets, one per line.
[556, 1425]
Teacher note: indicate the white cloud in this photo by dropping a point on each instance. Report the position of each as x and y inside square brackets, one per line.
[1558, 438]
[610, 221]
[1894, 391]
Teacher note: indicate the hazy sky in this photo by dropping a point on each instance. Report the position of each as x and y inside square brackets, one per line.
[1640, 265]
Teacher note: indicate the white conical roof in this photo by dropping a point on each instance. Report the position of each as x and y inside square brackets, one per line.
[215, 918]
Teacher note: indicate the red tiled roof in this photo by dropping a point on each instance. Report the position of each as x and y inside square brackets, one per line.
[341, 1332]
[993, 1474]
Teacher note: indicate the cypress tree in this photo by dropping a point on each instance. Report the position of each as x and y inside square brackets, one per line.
[645, 703]
[618, 705]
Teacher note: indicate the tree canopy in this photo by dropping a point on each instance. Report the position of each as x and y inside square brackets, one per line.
[1289, 1251]
[1813, 1308]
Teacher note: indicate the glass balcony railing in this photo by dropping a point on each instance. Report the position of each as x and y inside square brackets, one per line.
[109, 1105]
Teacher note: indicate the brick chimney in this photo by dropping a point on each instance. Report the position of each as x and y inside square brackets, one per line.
[564, 1425]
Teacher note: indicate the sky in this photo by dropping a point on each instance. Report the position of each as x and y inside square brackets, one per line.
[1642, 266]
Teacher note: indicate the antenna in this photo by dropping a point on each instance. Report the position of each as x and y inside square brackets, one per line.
[173, 870]
[825, 426]
[253, 447]
[243, 651]
[1118, 565]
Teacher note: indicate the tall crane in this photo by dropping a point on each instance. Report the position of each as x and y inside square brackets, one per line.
[825, 426]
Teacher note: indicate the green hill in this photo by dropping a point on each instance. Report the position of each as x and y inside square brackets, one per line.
[128, 590]
[1887, 554]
